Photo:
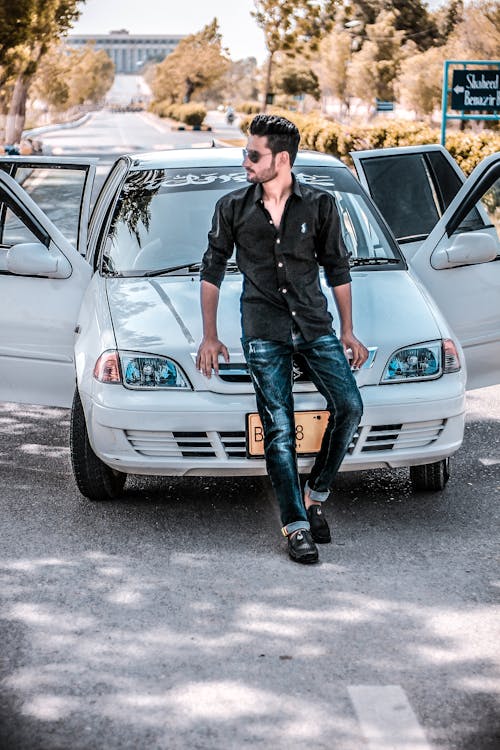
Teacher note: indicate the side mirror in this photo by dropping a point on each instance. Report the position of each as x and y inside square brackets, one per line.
[466, 249]
[33, 259]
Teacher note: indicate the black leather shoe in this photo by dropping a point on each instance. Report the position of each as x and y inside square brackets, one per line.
[320, 531]
[301, 547]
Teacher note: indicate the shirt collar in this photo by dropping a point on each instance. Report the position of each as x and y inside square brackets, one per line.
[295, 189]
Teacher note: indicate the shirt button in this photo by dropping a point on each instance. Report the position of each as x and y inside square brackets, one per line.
[270, 221]
[280, 265]
[278, 241]
[284, 291]
[293, 312]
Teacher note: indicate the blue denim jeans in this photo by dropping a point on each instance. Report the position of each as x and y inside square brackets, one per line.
[271, 368]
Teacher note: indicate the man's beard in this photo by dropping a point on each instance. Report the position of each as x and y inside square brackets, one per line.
[266, 176]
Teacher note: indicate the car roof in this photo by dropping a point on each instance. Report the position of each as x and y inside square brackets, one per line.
[217, 157]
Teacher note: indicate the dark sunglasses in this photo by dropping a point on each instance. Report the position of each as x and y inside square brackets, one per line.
[253, 156]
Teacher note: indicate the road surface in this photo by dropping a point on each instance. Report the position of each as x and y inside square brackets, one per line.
[172, 619]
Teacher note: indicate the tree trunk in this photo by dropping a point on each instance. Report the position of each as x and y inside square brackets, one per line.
[17, 110]
[189, 90]
[267, 84]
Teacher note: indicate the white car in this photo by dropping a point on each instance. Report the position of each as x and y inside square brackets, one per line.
[103, 314]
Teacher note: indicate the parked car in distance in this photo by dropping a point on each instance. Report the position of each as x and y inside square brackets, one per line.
[101, 312]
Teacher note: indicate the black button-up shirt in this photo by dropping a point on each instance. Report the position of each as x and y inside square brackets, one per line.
[280, 265]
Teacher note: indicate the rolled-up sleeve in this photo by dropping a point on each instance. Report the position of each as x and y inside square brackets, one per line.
[220, 244]
[331, 250]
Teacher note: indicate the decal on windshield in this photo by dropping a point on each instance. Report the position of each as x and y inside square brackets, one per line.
[161, 179]
[316, 180]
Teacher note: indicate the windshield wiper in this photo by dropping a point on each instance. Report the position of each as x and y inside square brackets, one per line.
[191, 268]
[375, 261]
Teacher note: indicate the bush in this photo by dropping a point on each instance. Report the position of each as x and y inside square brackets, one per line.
[471, 148]
[191, 114]
[329, 137]
[249, 108]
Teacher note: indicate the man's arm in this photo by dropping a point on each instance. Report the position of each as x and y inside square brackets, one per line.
[210, 347]
[343, 301]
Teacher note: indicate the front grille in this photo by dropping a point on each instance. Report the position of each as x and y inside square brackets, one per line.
[170, 444]
[177, 444]
[401, 436]
[237, 372]
[232, 445]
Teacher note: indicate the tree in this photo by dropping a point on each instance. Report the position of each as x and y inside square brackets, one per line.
[410, 16]
[91, 76]
[376, 66]
[477, 35]
[47, 21]
[333, 66]
[15, 26]
[420, 82]
[240, 82]
[296, 79]
[66, 77]
[446, 18]
[197, 62]
[291, 26]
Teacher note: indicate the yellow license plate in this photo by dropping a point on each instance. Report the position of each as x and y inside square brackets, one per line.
[309, 429]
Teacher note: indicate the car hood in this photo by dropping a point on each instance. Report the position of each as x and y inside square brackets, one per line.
[162, 316]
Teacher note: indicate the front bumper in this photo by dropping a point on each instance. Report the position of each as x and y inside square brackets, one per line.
[199, 433]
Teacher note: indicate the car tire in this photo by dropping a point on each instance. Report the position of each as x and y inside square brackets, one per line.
[430, 477]
[94, 478]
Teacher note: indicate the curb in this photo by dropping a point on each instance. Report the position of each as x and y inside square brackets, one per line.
[57, 126]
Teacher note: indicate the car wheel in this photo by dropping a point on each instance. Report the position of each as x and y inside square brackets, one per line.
[94, 478]
[430, 477]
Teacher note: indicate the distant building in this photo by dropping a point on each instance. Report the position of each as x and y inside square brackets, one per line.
[129, 52]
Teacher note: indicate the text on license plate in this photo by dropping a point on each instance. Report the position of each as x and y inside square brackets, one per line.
[309, 429]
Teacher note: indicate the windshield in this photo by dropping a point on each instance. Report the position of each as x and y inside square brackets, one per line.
[162, 218]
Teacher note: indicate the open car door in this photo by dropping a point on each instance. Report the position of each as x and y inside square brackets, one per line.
[412, 187]
[62, 188]
[458, 259]
[42, 277]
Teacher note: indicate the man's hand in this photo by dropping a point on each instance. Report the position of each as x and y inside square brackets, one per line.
[358, 350]
[207, 358]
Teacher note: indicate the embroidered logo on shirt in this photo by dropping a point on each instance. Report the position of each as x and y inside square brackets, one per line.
[303, 228]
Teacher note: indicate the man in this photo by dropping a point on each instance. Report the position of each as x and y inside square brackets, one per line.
[283, 233]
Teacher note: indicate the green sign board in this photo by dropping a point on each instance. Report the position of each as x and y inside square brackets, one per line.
[473, 90]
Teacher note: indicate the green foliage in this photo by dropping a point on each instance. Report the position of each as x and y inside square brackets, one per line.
[375, 67]
[249, 108]
[42, 22]
[67, 77]
[15, 27]
[295, 79]
[239, 83]
[291, 27]
[196, 63]
[320, 134]
[191, 114]
[470, 148]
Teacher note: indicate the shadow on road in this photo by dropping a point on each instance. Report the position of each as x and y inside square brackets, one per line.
[174, 619]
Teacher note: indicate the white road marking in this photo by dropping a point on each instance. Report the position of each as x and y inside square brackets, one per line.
[386, 718]
[153, 124]
[489, 461]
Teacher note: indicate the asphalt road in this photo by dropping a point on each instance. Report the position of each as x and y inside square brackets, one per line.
[172, 619]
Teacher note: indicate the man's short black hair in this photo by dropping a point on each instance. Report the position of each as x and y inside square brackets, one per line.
[282, 135]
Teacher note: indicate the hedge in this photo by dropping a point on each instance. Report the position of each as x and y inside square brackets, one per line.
[190, 114]
[329, 137]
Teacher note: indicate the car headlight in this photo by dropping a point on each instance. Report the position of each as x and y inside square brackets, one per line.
[137, 371]
[422, 362]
